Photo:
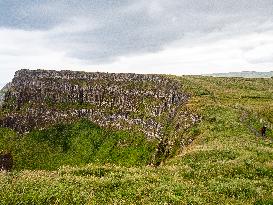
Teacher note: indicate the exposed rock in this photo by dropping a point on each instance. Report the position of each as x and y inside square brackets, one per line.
[37, 99]
[2, 93]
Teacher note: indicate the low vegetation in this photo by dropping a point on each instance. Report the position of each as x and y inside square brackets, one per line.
[227, 163]
[76, 144]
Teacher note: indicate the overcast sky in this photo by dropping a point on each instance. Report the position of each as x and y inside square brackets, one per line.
[141, 36]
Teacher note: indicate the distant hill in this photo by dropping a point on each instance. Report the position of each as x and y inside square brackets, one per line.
[243, 74]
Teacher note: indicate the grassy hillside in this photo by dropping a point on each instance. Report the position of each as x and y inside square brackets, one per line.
[76, 144]
[227, 163]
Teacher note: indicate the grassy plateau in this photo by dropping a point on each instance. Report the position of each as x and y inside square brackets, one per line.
[228, 162]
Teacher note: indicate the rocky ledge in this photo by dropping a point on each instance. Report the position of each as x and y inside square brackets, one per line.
[36, 99]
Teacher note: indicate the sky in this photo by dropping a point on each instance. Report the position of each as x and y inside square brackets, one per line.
[155, 36]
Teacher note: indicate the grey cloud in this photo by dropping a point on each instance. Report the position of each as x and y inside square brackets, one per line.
[45, 14]
[132, 27]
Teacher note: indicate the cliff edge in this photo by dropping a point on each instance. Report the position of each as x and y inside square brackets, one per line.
[36, 99]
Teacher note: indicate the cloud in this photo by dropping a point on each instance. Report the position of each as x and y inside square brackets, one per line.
[28, 49]
[261, 51]
[101, 31]
[206, 56]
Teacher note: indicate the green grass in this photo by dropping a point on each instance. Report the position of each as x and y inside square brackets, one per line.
[227, 163]
[75, 144]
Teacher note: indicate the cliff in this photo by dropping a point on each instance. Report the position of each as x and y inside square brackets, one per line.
[2, 93]
[37, 99]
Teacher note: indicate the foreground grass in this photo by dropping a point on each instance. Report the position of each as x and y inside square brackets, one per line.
[227, 163]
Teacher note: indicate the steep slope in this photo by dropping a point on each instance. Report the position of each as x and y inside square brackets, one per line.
[77, 143]
[150, 103]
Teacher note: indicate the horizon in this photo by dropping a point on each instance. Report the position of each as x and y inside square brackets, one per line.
[237, 72]
[159, 37]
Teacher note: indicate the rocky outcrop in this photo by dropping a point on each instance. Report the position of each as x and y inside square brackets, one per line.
[149, 103]
[2, 93]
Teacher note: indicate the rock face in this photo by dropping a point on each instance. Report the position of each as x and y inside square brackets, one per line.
[2, 93]
[148, 103]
